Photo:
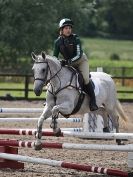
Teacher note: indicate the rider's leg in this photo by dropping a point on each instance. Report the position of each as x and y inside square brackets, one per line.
[90, 91]
[83, 66]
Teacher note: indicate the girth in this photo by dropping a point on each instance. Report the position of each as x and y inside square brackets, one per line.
[78, 105]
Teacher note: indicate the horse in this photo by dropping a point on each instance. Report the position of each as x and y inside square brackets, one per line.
[64, 91]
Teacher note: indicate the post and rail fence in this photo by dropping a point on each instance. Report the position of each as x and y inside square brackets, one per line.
[27, 88]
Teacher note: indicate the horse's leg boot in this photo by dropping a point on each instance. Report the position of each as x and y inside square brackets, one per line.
[90, 91]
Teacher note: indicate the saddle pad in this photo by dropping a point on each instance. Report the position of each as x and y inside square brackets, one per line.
[96, 82]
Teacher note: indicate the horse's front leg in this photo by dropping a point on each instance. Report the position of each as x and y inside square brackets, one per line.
[46, 113]
[65, 108]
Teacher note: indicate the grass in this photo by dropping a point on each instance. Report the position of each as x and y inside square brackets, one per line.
[124, 95]
[13, 85]
[110, 63]
[104, 48]
[99, 52]
[32, 94]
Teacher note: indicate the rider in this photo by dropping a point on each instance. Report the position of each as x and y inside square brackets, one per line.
[69, 45]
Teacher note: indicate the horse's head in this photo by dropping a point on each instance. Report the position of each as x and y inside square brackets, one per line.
[40, 70]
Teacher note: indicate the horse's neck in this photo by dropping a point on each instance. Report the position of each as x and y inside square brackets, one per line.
[63, 76]
[53, 68]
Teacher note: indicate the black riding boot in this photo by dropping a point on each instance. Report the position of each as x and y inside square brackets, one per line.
[90, 91]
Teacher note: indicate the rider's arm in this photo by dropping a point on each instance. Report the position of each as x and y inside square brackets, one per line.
[56, 49]
[79, 51]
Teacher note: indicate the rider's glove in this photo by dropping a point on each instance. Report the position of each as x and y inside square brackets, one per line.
[63, 62]
[66, 62]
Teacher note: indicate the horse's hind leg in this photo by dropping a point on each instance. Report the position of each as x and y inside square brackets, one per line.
[115, 120]
[104, 115]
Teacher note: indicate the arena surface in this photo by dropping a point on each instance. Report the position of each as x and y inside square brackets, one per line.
[116, 160]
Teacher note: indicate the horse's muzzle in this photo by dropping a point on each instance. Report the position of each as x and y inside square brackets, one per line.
[37, 92]
[38, 86]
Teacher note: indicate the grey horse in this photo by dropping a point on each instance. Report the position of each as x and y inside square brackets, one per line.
[64, 91]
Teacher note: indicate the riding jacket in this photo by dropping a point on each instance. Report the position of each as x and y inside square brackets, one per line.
[69, 47]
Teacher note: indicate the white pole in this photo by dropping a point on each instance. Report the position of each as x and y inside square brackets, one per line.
[21, 110]
[70, 146]
[72, 130]
[100, 147]
[64, 164]
[30, 159]
[23, 119]
[92, 135]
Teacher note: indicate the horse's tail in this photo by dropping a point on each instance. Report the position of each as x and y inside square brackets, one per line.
[121, 111]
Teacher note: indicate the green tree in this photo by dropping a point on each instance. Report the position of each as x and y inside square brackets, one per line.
[120, 17]
[26, 25]
[115, 17]
[82, 12]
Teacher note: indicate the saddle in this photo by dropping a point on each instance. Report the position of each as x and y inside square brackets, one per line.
[80, 78]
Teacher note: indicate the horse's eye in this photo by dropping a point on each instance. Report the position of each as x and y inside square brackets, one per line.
[43, 70]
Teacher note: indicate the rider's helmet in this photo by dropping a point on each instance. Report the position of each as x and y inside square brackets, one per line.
[65, 22]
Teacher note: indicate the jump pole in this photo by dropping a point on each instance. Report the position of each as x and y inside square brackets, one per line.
[21, 110]
[23, 119]
[72, 146]
[46, 132]
[78, 133]
[64, 164]
[95, 135]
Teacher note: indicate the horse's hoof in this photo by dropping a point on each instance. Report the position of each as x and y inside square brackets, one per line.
[57, 132]
[119, 142]
[51, 125]
[38, 146]
[106, 129]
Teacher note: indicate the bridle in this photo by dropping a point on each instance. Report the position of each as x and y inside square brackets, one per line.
[47, 68]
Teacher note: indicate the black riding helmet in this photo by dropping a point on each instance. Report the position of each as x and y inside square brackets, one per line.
[65, 22]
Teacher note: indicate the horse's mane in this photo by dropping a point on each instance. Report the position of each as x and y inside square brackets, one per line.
[53, 59]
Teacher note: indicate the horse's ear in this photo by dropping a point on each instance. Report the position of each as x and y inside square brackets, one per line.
[43, 55]
[33, 56]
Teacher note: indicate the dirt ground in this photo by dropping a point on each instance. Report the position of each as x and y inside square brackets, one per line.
[116, 160]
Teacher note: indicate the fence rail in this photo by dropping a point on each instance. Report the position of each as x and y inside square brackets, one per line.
[27, 81]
